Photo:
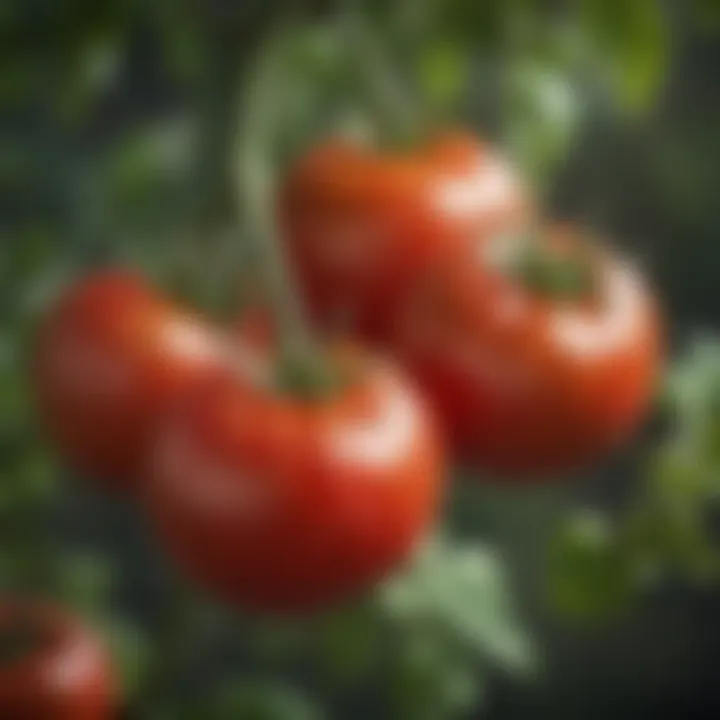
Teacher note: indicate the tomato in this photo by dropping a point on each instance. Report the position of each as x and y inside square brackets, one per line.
[527, 382]
[360, 225]
[51, 666]
[280, 504]
[110, 359]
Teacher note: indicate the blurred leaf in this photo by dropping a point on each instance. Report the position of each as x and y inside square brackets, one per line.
[183, 46]
[279, 639]
[13, 400]
[443, 71]
[37, 476]
[590, 575]
[101, 62]
[131, 655]
[692, 380]
[707, 14]
[264, 701]
[429, 681]
[86, 73]
[541, 118]
[632, 40]
[464, 589]
[478, 24]
[692, 396]
[667, 539]
[149, 164]
[319, 90]
[84, 581]
[349, 643]
[678, 474]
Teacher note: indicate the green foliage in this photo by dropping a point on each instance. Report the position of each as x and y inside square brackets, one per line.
[598, 567]
[463, 589]
[262, 700]
[631, 37]
[443, 69]
[349, 644]
[590, 573]
[83, 581]
[428, 681]
[542, 118]
[131, 654]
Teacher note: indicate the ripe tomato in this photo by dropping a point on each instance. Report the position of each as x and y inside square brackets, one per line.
[527, 382]
[51, 666]
[286, 505]
[110, 359]
[360, 225]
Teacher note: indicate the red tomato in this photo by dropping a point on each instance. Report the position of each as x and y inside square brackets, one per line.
[283, 505]
[528, 384]
[51, 667]
[110, 359]
[360, 225]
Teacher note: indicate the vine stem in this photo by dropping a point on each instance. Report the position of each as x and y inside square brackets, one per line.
[257, 192]
[398, 115]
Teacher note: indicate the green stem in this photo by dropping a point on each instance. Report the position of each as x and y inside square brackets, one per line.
[257, 190]
[206, 271]
[399, 117]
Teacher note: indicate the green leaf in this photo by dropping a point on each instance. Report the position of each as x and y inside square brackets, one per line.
[37, 477]
[590, 576]
[464, 589]
[692, 396]
[430, 680]
[278, 640]
[131, 654]
[443, 69]
[669, 539]
[182, 43]
[678, 474]
[349, 643]
[263, 700]
[88, 72]
[85, 581]
[542, 118]
[149, 159]
[632, 39]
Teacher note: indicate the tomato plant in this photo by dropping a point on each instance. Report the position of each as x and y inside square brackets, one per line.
[51, 666]
[361, 223]
[540, 357]
[111, 357]
[284, 503]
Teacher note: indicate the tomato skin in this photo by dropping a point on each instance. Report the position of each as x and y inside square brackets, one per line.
[110, 359]
[282, 506]
[528, 386]
[360, 226]
[69, 678]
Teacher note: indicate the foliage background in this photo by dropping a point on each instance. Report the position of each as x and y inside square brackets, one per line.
[117, 126]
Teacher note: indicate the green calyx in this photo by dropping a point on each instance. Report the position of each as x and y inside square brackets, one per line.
[552, 274]
[309, 377]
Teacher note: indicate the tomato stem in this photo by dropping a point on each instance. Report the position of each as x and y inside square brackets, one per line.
[256, 182]
[545, 270]
[309, 378]
[398, 116]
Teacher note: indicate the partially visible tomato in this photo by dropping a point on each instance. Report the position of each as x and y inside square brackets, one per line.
[111, 358]
[51, 666]
[529, 382]
[362, 224]
[286, 505]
